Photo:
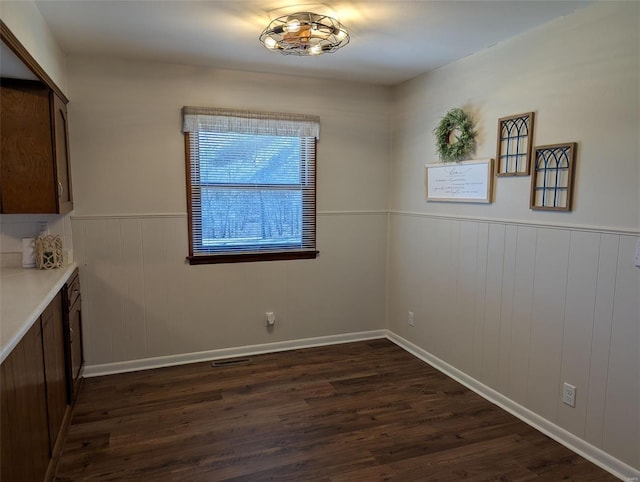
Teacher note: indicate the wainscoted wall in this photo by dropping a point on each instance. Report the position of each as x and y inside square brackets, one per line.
[524, 300]
[141, 300]
[523, 308]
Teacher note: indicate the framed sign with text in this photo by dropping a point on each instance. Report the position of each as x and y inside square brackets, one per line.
[468, 181]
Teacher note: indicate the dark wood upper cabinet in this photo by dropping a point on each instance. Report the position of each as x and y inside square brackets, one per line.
[63, 162]
[35, 170]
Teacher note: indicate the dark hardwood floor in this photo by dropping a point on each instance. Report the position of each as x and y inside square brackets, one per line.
[362, 411]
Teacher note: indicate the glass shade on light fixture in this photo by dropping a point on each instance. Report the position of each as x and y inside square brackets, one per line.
[304, 33]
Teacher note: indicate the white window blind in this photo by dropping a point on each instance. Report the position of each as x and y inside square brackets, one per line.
[251, 184]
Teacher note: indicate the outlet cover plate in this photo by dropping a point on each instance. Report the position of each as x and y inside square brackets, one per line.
[569, 395]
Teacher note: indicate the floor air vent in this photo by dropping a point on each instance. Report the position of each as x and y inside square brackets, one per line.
[230, 362]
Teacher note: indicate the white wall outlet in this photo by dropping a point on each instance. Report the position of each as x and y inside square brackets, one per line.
[569, 394]
[271, 318]
[410, 320]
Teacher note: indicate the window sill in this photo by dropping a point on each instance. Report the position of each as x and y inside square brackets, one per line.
[250, 257]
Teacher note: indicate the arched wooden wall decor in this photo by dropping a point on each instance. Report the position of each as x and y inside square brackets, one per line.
[515, 142]
[552, 177]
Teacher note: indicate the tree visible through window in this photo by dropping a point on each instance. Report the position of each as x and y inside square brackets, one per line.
[251, 185]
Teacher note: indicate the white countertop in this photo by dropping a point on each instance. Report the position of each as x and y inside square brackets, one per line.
[24, 294]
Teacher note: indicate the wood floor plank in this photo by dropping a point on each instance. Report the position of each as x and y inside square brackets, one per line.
[361, 411]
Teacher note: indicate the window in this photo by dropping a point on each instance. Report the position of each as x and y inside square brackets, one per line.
[251, 192]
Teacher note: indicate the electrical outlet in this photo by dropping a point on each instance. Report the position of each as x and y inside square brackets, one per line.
[270, 318]
[569, 395]
[410, 320]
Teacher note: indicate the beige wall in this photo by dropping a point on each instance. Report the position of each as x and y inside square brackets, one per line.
[130, 227]
[25, 21]
[126, 132]
[580, 75]
[521, 300]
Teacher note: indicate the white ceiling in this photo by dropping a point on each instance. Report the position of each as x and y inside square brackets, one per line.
[391, 41]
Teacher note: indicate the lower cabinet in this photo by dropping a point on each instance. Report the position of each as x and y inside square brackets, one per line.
[73, 331]
[38, 383]
[54, 367]
[24, 429]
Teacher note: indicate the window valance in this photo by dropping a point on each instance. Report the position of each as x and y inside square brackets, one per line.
[211, 119]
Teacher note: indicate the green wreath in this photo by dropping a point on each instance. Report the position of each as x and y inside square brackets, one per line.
[455, 119]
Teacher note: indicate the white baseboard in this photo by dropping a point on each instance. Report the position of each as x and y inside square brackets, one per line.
[590, 452]
[183, 359]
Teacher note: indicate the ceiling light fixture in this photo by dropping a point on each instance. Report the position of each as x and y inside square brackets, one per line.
[304, 33]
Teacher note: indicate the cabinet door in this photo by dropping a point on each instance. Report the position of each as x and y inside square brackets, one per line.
[24, 434]
[63, 168]
[75, 349]
[28, 179]
[54, 367]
